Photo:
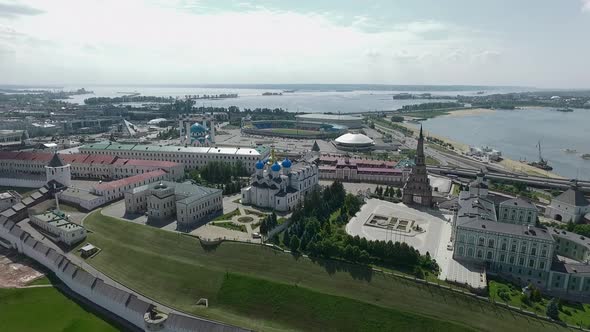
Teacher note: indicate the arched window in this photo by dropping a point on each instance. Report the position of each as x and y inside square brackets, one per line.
[481, 242]
[489, 255]
[470, 252]
[479, 253]
[462, 238]
[504, 246]
[491, 243]
[460, 250]
[471, 239]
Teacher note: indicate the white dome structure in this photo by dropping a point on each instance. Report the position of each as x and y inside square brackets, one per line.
[352, 141]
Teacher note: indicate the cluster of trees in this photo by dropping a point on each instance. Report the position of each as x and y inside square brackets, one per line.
[317, 229]
[168, 134]
[268, 223]
[397, 118]
[388, 192]
[431, 106]
[134, 98]
[222, 175]
[582, 229]
[440, 142]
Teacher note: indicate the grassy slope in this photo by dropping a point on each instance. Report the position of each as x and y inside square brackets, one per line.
[574, 314]
[47, 310]
[177, 270]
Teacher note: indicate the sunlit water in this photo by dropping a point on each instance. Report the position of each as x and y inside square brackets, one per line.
[516, 134]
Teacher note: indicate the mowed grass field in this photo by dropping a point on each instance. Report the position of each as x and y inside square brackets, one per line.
[45, 310]
[262, 289]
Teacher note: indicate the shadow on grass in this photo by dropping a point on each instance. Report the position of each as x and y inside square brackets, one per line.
[357, 272]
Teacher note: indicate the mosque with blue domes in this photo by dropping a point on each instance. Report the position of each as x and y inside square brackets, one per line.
[280, 185]
[195, 132]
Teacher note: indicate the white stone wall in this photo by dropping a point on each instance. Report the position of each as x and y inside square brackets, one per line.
[62, 174]
[22, 182]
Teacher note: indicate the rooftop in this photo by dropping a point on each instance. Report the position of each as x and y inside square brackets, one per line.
[574, 237]
[518, 202]
[258, 151]
[573, 197]
[130, 180]
[354, 139]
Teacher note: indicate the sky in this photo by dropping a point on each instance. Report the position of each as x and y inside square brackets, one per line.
[536, 43]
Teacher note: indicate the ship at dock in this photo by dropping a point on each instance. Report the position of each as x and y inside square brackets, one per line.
[541, 163]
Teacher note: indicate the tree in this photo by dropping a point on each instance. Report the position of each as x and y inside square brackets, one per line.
[418, 273]
[294, 243]
[552, 309]
[397, 118]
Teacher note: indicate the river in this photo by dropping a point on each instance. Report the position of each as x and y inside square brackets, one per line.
[517, 132]
[307, 98]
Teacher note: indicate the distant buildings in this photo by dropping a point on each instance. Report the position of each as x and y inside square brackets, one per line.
[417, 189]
[191, 157]
[197, 130]
[280, 186]
[164, 200]
[570, 205]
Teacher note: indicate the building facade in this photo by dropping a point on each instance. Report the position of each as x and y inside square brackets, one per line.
[85, 166]
[570, 205]
[347, 169]
[510, 245]
[280, 186]
[57, 223]
[518, 211]
[164, 200]
[417, 189]
[58, 171]
[189, 156]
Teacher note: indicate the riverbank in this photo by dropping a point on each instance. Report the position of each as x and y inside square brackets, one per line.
[472, 111]
[508, 164]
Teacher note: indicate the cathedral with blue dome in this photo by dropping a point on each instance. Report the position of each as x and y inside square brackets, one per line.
[280, 186]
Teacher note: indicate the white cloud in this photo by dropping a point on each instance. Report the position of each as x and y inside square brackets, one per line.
[586, 5]
[113, 41]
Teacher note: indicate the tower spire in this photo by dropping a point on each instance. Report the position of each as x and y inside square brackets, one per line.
[421, 136]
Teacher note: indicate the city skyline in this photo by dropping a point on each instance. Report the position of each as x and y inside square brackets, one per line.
[529, 43]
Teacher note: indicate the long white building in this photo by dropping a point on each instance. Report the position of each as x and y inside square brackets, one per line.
[280, 186]
[191, 157]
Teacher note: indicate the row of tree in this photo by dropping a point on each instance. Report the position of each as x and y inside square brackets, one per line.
[388, 192]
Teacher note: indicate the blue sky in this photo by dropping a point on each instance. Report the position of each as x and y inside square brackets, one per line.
[542, 43]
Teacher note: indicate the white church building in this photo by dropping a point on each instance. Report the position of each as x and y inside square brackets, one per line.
[280, 186]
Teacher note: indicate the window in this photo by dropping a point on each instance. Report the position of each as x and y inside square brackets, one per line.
[521, 261]
[470, 252]
[514, 247]
[491, 243]
[460, 250]
[479, 254]
[533, 251]
[504, 246]
[502, 258]
[489, 255]
[531, 263]
[481, 242]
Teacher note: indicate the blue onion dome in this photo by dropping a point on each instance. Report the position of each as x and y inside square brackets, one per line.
[287, 163]
[259, 165]
[276, 167]
[198, 128]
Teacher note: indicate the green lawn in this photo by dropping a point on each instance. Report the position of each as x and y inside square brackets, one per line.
[45, 310]
[574, 314]
[178, 270]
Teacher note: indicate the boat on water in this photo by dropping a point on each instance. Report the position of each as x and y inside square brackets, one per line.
[541, 163]
[570, 150]
[564, 110]
[586, 156]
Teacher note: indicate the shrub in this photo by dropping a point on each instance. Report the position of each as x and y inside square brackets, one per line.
[552, 309]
